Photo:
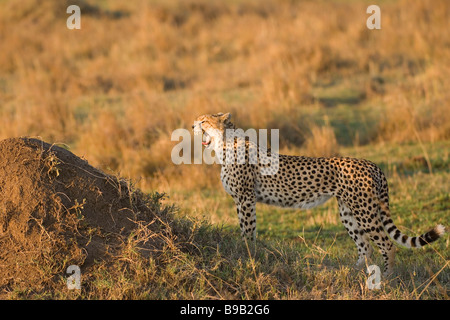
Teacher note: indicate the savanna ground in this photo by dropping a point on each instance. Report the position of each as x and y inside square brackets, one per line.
[114, 91]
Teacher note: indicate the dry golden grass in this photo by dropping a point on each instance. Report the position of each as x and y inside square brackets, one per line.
[116, 89]
[322, 142]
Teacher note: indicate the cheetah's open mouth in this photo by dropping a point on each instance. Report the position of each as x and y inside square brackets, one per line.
[206, 139]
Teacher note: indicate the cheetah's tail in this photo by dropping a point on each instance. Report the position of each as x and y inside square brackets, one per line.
[404, 240]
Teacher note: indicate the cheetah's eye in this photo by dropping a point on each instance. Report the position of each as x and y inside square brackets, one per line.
[197, 127]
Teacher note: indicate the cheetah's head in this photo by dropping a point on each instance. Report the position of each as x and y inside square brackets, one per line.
[212, 127]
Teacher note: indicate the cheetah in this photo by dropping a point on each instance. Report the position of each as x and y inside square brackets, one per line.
[303, 182]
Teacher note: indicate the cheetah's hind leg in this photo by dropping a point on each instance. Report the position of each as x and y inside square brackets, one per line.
[358, 235]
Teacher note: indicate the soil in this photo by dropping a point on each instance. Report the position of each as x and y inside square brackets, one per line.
[56, 210]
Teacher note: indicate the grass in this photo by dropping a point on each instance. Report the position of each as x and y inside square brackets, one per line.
[115, 90]
[312, 245]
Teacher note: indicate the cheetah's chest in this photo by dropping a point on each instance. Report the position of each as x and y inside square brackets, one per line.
[229, 180]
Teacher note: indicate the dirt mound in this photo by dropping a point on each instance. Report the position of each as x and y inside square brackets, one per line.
[57, 210]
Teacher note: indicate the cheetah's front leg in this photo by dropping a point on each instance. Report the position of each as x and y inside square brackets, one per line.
[246, 210]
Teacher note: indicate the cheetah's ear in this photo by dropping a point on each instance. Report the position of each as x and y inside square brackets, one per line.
[226, 117]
